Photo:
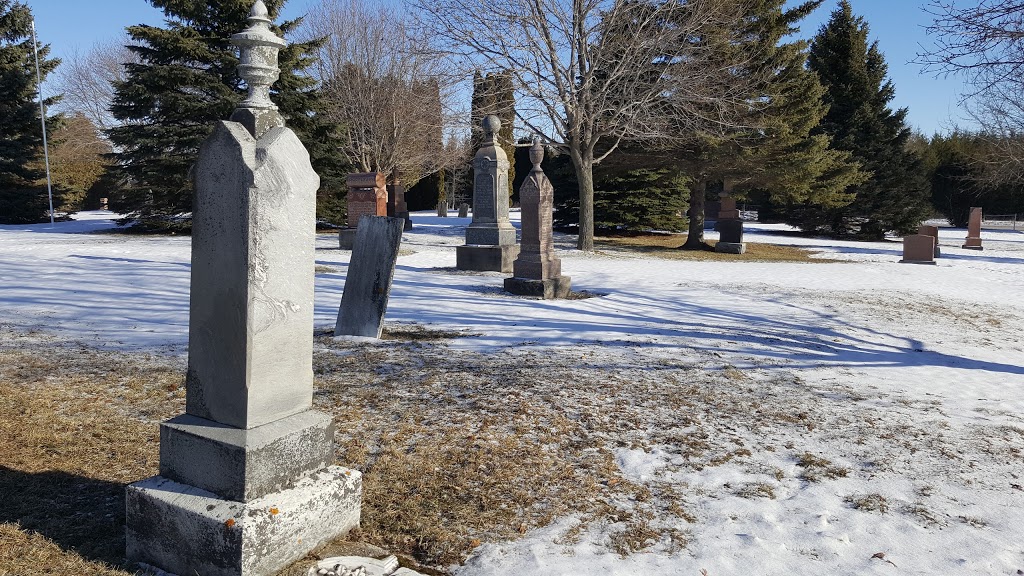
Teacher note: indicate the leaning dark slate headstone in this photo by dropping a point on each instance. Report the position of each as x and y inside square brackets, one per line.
[370, 272]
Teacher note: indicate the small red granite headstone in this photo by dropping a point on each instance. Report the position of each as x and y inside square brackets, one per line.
[973, 241]
[918, 249]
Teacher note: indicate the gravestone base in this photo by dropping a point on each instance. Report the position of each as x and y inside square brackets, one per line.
[249, 463]
[932, 262]
[973, 244]
[731, 247]
[346, 238]
[550, 289]
[486, 258]
[187, 530]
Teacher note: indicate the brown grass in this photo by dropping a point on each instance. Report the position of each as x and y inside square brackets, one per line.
[77, 426]
[667, 246]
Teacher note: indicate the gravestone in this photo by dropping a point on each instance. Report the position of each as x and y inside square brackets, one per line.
[729, 225]
[537, 271]
[396, 206]
[918, 249]
[368, 281]
[932, 231]
[490, 238]
[246, 484]
[367, 196]
[973, 241]
[442, 209]
[464, 210]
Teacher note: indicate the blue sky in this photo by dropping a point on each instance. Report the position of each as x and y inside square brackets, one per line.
[898, 25]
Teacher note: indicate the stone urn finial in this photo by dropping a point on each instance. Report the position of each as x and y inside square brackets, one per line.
[536, 154]
[491, 125]
[258, 48]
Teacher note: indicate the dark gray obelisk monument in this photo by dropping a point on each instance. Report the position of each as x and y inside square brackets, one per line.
[246, 483]
[490, 238]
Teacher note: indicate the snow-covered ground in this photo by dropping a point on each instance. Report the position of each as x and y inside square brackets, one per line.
[911, 366]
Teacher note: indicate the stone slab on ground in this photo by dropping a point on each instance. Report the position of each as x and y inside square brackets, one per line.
[187, 530]
[486, 258]
[370, 273]
[550, 289]
[731, 247]
[249, 463]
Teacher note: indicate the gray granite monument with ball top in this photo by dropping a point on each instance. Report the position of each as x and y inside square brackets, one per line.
[246, 484]
[537, 271]
[490, 238]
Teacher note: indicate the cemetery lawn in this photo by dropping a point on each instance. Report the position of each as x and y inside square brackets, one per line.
[667, 246]
[850, 416]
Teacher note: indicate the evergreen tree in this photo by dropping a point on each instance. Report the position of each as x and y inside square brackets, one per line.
[185, 81]
[22, 192]
[777, 153]
[859, 120]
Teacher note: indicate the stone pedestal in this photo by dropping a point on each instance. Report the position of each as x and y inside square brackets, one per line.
[918, 249]
[396, 205]
[973, 241]
[367, 196]
[727, 210]
[490, 238]
[730, 237]
[537, 271]
[932, 231]
[246, 485]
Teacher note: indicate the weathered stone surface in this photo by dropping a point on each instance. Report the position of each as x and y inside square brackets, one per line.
[464, 210]
[367, 196]
[727, 209]
[490, 225]
[932, 231]
[370, 272]
[731, 247]
[918, 249]
[548, 289]
[486, 258]
[973, 241]
[346, 238]
[250, 346]
[248, 464]
[186, 530]
[537, 271]
[730, 231]
[397, 207]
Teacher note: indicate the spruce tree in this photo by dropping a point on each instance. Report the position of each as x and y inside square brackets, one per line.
[22, 189]
[186, 81]
[776, 152]
[859, 120]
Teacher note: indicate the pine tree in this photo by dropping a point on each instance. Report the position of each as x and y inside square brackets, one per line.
[186, 81]
[859, 120]
[22, 194]
[777, 153]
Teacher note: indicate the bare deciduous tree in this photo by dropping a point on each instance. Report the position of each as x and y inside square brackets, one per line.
[590, 74]
[86, 80]
[984, 42]
[387, 96]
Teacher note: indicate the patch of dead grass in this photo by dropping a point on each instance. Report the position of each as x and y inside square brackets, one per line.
[667, 246]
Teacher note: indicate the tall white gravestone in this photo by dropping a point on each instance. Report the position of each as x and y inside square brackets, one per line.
[490, 238]
[246, 482]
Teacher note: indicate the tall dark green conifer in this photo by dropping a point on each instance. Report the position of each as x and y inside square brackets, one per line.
[22, 196]
[860, 121]
[776, 151]
[187, 80]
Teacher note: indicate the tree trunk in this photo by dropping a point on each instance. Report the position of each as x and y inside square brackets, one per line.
[584, 165]
[695, 234]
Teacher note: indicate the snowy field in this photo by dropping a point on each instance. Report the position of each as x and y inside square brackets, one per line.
[905, 384]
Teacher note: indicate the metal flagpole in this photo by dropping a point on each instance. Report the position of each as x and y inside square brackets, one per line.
[42, 119]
